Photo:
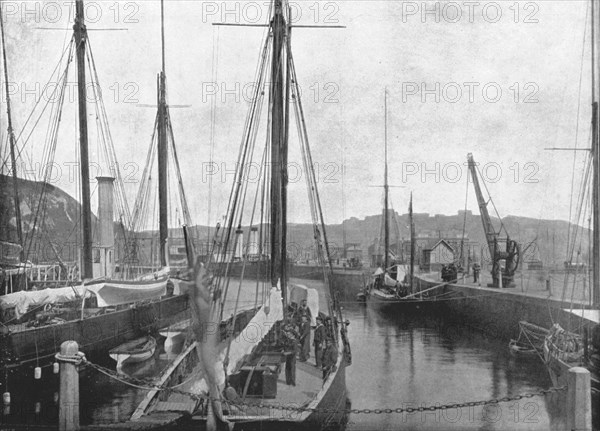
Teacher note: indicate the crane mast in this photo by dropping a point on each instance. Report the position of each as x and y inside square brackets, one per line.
[511, 254]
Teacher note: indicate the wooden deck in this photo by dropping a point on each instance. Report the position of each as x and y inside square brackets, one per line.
[308, 384]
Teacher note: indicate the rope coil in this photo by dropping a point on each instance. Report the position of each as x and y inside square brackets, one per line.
[76, 359]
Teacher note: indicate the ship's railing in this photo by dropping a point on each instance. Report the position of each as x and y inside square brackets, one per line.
[53, 274]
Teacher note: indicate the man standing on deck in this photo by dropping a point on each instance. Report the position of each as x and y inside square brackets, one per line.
[304, 310]
[304, 339]
[330, 355]
[290, 342]
[319, 341]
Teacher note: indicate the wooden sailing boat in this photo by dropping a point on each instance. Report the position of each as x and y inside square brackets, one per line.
[227, 377]
[391, 282]
[564, 349]
[28, 338]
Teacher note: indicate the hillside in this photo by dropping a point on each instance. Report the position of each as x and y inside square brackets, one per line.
[56, 221]
[62, 213]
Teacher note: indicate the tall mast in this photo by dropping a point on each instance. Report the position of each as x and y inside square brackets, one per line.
[163, 154]
[386, 227]
[86, 212]
[12, 143]
[412, 242]
[278, 151]
[595, 160]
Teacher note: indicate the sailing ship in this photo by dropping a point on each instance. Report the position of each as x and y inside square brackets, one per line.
[564, 349]
[98, 312]
[389, 282]
[229, 377]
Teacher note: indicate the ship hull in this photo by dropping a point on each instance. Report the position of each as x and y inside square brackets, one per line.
[95, 335]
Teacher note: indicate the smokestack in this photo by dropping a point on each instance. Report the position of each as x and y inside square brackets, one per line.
[253, 246]
[239, 245]
[106, 235]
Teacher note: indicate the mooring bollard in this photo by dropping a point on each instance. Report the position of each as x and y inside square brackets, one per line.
[579, 400]
[68, 408]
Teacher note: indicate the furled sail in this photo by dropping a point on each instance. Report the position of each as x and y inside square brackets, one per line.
[108, 294]
[111, 293]
[22, 300]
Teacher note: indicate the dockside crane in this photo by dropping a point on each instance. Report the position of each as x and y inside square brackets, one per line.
[501, 249]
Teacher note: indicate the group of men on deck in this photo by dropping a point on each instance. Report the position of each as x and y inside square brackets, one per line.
[297, 336]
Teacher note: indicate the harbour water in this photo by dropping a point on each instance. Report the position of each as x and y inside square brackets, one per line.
[414, 359]
[419, 358]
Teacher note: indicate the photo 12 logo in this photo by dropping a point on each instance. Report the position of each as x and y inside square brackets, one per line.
[253, 172]
[317, 92]
[470, 12]
[251, 12]
[57, 92]
[453, 172]
[52, 12]
[469, 92]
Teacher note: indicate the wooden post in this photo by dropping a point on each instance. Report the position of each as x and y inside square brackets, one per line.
[68, 410]
[579, 400]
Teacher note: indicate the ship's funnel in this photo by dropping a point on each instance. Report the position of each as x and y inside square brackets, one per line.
[253, 244]
[239, 244]
[103, 254]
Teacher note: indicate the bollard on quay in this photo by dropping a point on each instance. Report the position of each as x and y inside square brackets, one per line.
[579, 400]
[68, 408]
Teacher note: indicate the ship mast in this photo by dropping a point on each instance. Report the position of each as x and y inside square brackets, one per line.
[12, 143]
[412, 243]
[279, 147]
[386, 227]
[163, 218]
[80, 33]
[596, 162]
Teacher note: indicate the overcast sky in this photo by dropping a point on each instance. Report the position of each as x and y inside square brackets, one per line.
[501, 80]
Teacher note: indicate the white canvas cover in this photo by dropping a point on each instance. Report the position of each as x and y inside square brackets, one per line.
[389, 281]
[377, 272]
[109, 293]
[22, 300]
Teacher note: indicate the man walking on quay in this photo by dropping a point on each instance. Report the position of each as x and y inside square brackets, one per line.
[304, 339]
[319, 341]
[329, 358]
[476, 269]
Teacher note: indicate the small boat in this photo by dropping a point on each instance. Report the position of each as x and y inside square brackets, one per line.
[519, 348]
[175, 337]
[134, 351]
[530, 340]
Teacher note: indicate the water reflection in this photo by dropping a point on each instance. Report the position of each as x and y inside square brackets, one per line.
[419, 358]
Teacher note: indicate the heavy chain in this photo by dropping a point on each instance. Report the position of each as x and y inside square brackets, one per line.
[541, 392]
[149, 385]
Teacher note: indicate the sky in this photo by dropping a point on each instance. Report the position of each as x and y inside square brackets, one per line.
[502, 80]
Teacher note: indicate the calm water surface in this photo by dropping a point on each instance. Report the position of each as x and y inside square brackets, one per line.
[407, 359]
[418, 358]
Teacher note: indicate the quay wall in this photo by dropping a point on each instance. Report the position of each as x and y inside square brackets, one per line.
[497, 312]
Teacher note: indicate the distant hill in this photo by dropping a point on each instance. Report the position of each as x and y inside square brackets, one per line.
[61, 215]
[56, 221]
